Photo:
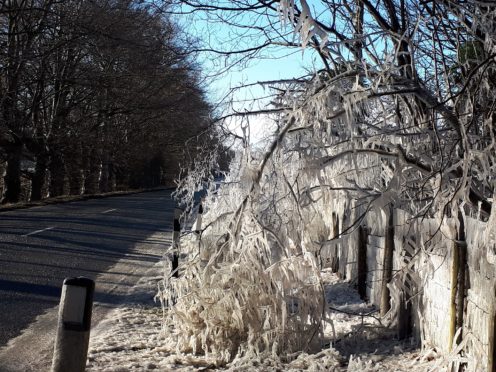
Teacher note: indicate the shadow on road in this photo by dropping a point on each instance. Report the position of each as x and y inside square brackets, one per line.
[40, 247]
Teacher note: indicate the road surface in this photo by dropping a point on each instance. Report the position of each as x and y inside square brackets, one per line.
[41, 246]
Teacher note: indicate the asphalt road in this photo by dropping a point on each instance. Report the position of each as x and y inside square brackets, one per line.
[41, 246]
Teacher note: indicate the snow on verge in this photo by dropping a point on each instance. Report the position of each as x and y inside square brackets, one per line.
[132, 338]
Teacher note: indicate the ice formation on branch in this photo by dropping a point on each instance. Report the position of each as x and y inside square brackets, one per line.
[365, 133]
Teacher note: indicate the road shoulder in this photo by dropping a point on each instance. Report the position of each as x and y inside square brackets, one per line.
[32, 350]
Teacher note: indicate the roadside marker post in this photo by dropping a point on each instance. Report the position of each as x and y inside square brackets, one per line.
[74, 323]
[199, 216]
[175, 242]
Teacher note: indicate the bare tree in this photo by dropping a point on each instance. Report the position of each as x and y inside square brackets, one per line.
[93, 93]
[400, 114]
[407, 62]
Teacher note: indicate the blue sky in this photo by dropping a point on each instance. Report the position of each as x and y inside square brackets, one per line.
[274, 63]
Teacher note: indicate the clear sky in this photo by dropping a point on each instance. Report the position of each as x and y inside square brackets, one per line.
[281, 66]
[273, 63]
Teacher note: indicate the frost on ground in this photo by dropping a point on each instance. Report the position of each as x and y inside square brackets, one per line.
[133, 338]
[251, 294]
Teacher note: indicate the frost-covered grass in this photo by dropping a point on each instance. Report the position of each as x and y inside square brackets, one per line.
[251, 286]
[132, 338]
[251, 289]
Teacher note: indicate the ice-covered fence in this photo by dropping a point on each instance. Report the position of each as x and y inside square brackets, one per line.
[423, 287]
[434, 248]
[341, 254]
[375, 267]
[480, 301]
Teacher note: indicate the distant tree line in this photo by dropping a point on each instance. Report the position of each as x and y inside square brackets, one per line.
[94, 96]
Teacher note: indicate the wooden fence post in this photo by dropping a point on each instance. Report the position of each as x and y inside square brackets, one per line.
[175, 242]
[387, 273]
[491, 354]
[199, 216]
[461, 245]
[362, 262]
[404, 316]
[335, 255]
[454, 282]
[458, 278]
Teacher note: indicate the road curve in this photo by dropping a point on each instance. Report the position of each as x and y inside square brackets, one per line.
[41, 246]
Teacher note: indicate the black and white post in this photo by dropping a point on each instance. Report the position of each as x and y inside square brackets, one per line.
[175, 242]
[74, 323]
[198, 222]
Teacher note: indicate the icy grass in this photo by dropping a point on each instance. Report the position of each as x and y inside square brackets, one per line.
[131, 339]
[237, 304]
[250, 292]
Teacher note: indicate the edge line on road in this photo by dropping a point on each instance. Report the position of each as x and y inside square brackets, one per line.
[40, 231]
[109, 210]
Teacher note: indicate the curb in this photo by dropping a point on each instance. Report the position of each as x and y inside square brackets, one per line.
[74, 198]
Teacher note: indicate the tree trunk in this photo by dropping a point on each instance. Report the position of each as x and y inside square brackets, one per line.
[75, 181]
[104, 176]
[12, 176]
[74, 171]
[111, 179]
[38, 180]
[57, 174]
[92, 173]
[121, 178]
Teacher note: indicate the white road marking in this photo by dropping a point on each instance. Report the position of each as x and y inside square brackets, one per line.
[39, 231]
[110, 210]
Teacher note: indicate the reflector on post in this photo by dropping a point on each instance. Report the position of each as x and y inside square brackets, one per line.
[73, 331]
[175, 242]
[76, 302]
